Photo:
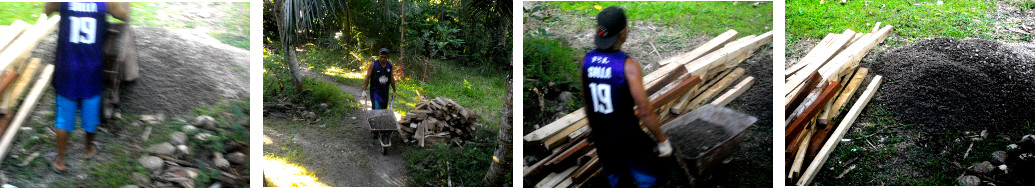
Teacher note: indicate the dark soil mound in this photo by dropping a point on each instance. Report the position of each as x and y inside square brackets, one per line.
[943, 83]
[697, 137]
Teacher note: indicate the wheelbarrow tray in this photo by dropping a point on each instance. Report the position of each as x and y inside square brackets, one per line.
[382, 120]
[732, 122]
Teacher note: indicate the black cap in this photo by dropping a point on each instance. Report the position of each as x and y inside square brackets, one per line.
[384, 51]
[610, 23]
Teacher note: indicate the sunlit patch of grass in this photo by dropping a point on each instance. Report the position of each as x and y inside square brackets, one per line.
[280, 172]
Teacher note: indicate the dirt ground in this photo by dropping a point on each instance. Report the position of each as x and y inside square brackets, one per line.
[339, 151]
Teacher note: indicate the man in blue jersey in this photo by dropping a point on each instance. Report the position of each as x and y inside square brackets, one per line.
[381, 71]
[616, 105]
[78, 69]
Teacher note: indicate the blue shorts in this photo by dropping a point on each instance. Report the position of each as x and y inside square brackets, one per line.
[638, 170]
[89, 113]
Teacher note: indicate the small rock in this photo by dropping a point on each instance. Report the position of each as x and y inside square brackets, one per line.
[323, 105]
[203, 121]
[140, 179]
[237, 158]
[118, 115]
[969, 180]
[151, 163]
[219, 161]
[1003, 168]
[160, 117]
[163, 148]
[189, 128]
[216, 185]
[565, 97]
[1027, 142]
[202, 136]
[1026, 157]
[309, 114]
[984, 134]
[183, 149]
[1013, 148]
[983, 167]
[178, 138]
[129, 186]
[999, 157]
[147, 118]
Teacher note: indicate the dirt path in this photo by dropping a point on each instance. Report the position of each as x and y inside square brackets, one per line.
[339, 150]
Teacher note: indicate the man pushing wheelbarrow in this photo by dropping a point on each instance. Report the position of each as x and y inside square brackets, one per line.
[381, 118]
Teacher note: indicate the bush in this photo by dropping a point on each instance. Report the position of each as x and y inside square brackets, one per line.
[548, 61]
[277, 87]
[464, 166]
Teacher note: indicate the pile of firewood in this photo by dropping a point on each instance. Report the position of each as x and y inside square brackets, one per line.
[818, 87]
[440, 120]
[706, 75]
[18, 72]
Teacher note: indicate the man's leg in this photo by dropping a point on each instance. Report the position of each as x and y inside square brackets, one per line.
[65, 123]
[91, 117]
[642, 174]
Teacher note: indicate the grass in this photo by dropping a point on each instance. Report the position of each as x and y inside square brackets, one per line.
[911, 19]
[234, 29]
[696, 18]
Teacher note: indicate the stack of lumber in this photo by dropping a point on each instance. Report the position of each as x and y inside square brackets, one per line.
[819, 87]
[707, 74]
[440, 120]
[16, 44]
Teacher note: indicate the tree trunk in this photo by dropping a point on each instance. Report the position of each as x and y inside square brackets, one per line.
[501, 159]
[292, 60]
[289, 52]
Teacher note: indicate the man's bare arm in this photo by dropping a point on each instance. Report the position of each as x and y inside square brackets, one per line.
[639, 95]
[119, 10]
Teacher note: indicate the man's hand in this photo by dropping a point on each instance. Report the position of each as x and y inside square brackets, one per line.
[664, 149]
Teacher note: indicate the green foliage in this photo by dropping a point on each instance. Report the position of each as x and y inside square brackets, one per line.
[911, 19]
[24, 11]
[438, 165]
[277, 82]
[547, 61]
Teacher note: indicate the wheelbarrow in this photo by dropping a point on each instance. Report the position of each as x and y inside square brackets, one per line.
[120, 65]
[383, 125]
[734, 124]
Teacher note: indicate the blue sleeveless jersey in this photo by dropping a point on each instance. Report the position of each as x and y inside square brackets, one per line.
[78, 67]
[380, 78]
[615, 127]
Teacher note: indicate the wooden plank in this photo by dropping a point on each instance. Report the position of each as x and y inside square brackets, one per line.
[801, 92]
[853, 54]
[12, 32]
[825, 43]
[689, 95]
[842, 99]
[25, 109]
[674, 94]
[727, 53]
[562, 136]
[576, 150]
[580, 175]
[558, 125]
[704, 74]
[839, 133]
[818, 59]
[799, 157]
[21, 47]
[705, 48]
[655, 85]
[553, 181]
[713, 90]
[734, 92]
[798, 123]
